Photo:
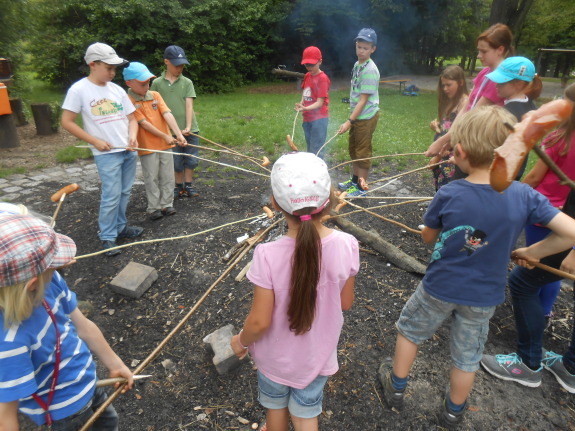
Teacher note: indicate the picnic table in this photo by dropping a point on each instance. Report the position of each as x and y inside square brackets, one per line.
[401, 82]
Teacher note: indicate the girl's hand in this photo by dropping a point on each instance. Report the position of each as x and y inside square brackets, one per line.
[237, 347]
[434, 125]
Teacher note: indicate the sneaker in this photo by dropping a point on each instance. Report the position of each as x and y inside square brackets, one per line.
[448, 418]
[355, 192]
[110, 244]
[177, 192]
[511, 367]
[392, 397]
[554, 362]
[168, 211]
[156, 215]
[131, 232]
[189, 191]
[345, 185]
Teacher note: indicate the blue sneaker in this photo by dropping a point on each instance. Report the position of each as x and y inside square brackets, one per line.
[355, 192]
[345, 185]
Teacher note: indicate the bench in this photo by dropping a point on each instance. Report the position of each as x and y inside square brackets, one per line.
[401, 83]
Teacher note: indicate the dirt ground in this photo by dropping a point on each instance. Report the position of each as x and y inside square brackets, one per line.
[186, 392]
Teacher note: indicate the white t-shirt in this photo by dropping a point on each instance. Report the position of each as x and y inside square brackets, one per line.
[104, 110]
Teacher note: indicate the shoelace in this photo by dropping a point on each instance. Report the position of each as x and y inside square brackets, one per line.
[511, 358]
[551, 357]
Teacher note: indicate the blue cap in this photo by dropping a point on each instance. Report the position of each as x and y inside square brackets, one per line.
[513, 68]
[137, 71]
[176, 55]
[367, 34]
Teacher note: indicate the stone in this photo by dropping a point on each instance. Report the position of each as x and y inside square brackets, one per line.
[224, 357]
[134, 280]
[12, 189]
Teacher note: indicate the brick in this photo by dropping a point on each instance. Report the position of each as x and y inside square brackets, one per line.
[134, 280]
[224, 357]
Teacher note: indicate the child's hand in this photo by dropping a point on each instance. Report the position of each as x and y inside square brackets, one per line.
[299, 107]
[237, 347]
[124, 372]
[132, 143]
[521, 257]
[181, 141]
[101, 145]
[568, 264]
[186, 131]
[343, 128]
[170, 140]
[434, 125]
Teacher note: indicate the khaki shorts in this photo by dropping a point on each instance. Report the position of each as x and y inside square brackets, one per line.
[360, 135]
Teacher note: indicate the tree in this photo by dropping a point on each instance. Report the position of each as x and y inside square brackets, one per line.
[510, 12]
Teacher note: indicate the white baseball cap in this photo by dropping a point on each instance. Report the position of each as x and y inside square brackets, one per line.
[300, 180]
[105, 53]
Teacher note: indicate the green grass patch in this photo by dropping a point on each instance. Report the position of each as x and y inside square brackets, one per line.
[71, 154]
[6, 172]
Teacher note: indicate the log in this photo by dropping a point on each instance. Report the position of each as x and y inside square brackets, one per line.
[375, 241]
[288, 73]
[18, 112]
[42, 113]
[8, 133]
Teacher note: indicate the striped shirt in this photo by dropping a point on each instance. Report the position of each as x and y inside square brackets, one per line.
[27, 354]
[365, 80]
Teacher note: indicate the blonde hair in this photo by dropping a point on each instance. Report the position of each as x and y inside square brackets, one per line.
[17, 302]
[480, 131]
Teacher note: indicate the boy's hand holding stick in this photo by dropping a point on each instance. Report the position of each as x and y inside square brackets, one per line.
[521, 257]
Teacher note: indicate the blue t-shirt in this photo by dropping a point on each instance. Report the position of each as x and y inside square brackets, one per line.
[479, 229]
[27, 353]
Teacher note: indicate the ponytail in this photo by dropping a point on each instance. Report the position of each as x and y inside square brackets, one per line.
[533, 90]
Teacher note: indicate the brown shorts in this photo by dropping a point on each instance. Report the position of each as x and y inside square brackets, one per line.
[360, 135]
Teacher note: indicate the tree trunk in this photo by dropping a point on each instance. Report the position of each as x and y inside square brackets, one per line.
[42, 113]
[510, 12]
[388, 250]
[8, 134]
[18, 111]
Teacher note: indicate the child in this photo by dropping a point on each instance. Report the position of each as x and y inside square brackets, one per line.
[111, 128]
[452, 98]
[46, 368]
[364, 106]
[314, 101]
[476, 228]
[303, 281]
[493, 46]
[155, 121]
[518, 84]
[179, 94]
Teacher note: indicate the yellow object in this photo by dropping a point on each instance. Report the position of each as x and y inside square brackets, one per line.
[4, 101]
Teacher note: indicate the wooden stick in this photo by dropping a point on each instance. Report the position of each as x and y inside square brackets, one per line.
[244, 271]
[553, 270]
[376, 157]
[245, 156]
[328, 141]
[380, 206]
[407, 228]
[294, 121]
[174, 331]
[553, 167]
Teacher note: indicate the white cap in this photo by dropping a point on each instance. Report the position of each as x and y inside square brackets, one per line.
[300, 180]
[105, 53]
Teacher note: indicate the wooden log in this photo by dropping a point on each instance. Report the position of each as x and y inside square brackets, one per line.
[288, 73]
[375, 241]
[18, 112]
[8, 133]
[42, 113]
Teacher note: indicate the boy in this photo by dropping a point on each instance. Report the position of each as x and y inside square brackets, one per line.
[477, 229]
[179, 94]
[154, 120]
[314, 101]
[364, 106]
[111, 128]
[38, 313]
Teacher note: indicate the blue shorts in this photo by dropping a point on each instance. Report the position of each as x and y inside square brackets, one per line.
[181, 162]
[423, 314]
[303, 403]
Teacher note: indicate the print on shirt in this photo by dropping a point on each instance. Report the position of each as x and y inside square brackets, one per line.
[104, 107]
[473, 240]
[307, 94]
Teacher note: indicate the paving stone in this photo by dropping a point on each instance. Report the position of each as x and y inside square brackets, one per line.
[17, 177]
[224, 357]
[12, 189]
[3, 181]
[73, 170]
[134, 280]
[12, 197]
[39, 177]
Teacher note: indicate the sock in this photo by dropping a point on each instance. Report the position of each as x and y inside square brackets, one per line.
[455, 408]
[354, 179]
[398, 383]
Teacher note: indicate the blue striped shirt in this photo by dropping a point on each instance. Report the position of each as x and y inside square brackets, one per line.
[27, 355]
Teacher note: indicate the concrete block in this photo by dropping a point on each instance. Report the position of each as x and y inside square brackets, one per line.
[134, 280]
[224, 357]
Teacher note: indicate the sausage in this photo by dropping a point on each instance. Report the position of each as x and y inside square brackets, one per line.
[291, 144]
[71, 188]
[265, 161]
[268, 212]
[509, 157]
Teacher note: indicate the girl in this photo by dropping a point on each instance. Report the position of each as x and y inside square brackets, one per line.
[560, 146]
[493, 46]
[302, 281]
[518, 84]
[452, 98]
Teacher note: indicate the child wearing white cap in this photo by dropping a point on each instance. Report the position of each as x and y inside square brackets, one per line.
[46, 366]
[302, 281]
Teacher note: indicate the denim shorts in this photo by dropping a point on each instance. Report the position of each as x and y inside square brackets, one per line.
[423, 314]
[181, 162]
[303, 403]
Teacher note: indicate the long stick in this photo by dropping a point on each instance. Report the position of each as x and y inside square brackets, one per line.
[150, 241]
[294, 121]
[376, 157]
[328, 141]
[53, 220]
[385, 218]
[553, 167]
[174, 331]
[553, 270]
[221, 150]
[380, 206]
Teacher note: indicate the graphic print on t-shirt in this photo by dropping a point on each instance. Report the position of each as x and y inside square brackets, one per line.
[473, 240]
[103, 107]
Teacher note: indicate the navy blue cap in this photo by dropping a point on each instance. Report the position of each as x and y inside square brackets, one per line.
[367, 34]
[176, 55]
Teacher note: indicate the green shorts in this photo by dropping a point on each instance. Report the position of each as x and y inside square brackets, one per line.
[360, 136]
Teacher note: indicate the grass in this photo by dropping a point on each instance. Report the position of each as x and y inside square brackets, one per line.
[6, 172]
[71, 154]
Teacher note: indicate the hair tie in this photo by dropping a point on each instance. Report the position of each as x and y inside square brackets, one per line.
[305, 217]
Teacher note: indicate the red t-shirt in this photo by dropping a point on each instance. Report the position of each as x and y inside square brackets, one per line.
[314, 87]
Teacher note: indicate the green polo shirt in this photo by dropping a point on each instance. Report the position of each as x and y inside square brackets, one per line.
[175, 97]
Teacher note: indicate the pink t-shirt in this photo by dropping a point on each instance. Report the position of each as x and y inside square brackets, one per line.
[282, 356]
[549, 185]
[487, 90]
[315, 86]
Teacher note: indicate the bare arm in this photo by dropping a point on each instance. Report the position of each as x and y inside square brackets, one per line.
[347, 294]
[9, 416]
[363, 98]
[257, 322]
[189, 115]
[315, 105]
[149, 127]
[132, 131]
[69, 123]
[429, 235]
[91, 334]
[536, 174]
[568, 264]
[171, 120]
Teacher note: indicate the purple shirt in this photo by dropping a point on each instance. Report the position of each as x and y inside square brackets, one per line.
[282, 356]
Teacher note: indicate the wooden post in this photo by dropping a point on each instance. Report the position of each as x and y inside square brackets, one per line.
[8, 134]
[42, 113]
[18, 111]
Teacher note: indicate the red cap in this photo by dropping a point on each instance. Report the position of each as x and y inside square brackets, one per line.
[311, 55]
